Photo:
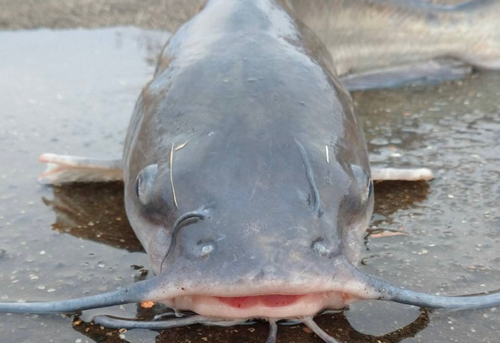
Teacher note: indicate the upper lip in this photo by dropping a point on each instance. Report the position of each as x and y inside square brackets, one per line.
[342, 276]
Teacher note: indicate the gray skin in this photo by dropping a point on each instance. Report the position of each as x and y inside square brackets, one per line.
[248, 204]
[256, 94]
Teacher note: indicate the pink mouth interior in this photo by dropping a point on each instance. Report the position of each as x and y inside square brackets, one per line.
[262, 305]
[273, 300]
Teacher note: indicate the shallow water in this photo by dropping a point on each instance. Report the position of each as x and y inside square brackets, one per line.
[72, 92]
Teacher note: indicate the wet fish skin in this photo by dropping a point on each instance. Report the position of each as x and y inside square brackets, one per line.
[364, 35]
[224, 84]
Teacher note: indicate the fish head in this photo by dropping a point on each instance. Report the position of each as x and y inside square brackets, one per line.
[251, 227]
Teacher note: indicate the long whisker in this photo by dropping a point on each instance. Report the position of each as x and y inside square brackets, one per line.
[273, 332]
[117, 323]
[134, 293]
[382, 290]
[458, 303]
[290, 322]
[171, 162]
[309, 322]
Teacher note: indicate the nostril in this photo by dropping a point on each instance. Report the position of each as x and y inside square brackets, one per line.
[206, 250]
[320, 248]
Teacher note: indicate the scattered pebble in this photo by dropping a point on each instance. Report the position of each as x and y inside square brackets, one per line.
[147, 304]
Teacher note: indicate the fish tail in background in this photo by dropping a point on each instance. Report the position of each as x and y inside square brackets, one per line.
[483, 38]
[368, 35]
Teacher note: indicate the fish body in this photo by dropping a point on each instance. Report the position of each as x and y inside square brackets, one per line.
[273, 154]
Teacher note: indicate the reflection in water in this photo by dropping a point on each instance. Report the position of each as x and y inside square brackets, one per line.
[392, 196]
[94, 211]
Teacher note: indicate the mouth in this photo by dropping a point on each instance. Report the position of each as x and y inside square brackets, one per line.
[269, 306]
[287, 296]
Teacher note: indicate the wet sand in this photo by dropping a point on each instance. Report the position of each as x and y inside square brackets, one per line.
[73, 91]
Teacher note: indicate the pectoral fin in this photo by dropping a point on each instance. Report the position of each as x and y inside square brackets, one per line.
[394, 174]
[67, 169]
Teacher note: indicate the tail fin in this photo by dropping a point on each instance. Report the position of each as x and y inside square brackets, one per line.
[483, 48]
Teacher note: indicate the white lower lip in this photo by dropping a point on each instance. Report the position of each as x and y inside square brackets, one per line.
[304, 305]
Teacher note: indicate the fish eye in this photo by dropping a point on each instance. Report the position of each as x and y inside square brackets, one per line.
[144, 183]
[137, 185]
